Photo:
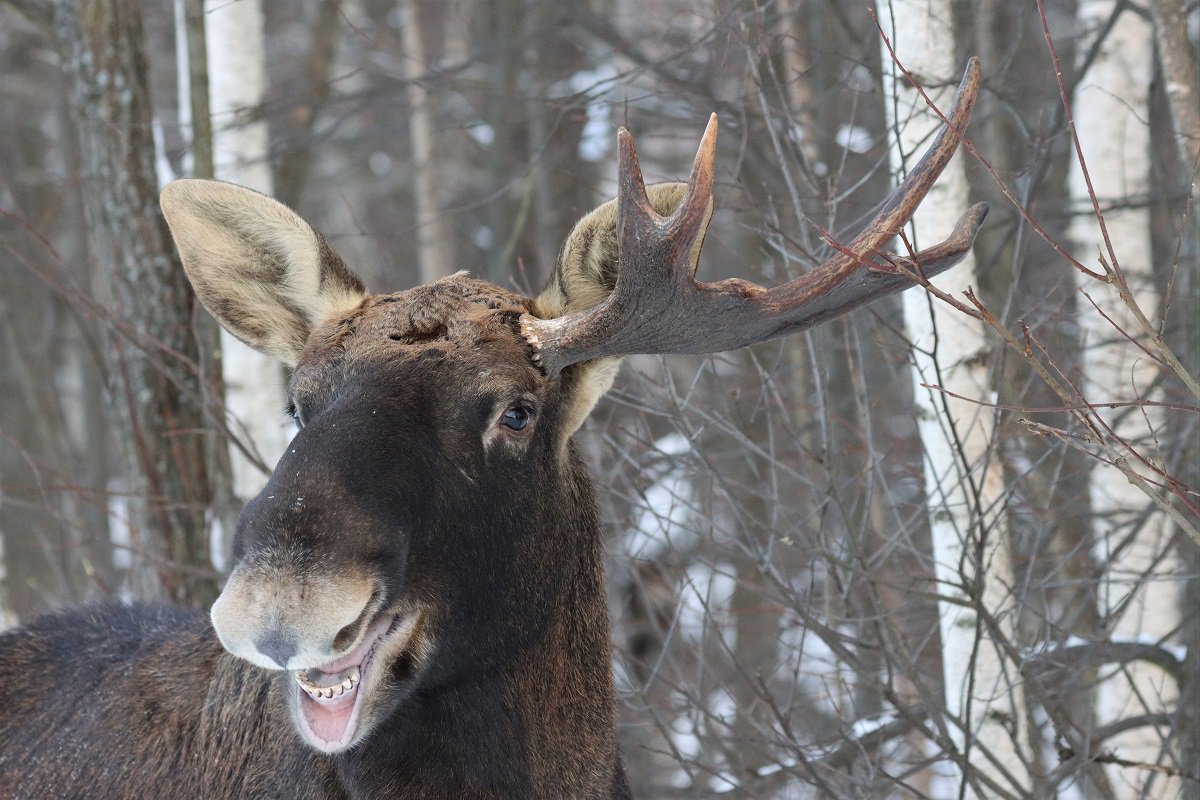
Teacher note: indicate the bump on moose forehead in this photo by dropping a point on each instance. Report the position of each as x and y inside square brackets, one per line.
[457, 311]
[447, 309]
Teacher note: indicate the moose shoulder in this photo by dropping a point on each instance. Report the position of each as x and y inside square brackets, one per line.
[417, 606]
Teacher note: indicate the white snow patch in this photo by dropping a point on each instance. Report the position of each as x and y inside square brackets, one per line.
[216, 543]
[825, 678]
[1068, 789]
[379, 162]
[862, 727]
[597, 135]
[483, 237]
[722, 707]
[712, 717]
[859, 79]
[118, 527]
[705, 599]
[723, 782]
[855, 138]
[945, 776]
[483, 133]
[666, 518]
[1042, 648]
[596, 82]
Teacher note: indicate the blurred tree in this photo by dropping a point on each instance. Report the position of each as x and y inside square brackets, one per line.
[237, 84]
[1176, 26]
[435, 244]
[1138, 598]
[196, 136]
[964, 480]
[771, 509]
[152, 354]
[53, 445]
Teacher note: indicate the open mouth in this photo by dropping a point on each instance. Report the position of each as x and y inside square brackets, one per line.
[331, 696]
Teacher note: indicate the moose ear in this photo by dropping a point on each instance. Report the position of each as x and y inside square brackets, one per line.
[585, 276]
[261, 270]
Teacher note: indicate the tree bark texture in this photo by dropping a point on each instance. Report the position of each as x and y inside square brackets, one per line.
[1182, 77]
[435, 241]
[964, 482]
[151, 350]
[1138, 598]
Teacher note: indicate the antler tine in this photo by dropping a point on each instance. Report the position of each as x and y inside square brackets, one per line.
[657, 306]
[898, 208]
[631, 187]
[655, 249]
[696, 203]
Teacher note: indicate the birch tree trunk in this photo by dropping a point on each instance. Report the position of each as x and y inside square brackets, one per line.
[963, 479]
[151, 351]
[1138, 599]
[435, 243]
[1182, 81]
[195, 124]
[254, 383]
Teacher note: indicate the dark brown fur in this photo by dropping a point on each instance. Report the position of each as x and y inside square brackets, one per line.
[107, 702]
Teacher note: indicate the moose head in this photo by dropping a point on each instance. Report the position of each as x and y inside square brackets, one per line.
[424, 569]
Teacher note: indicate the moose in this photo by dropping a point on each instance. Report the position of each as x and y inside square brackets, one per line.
[417, 602]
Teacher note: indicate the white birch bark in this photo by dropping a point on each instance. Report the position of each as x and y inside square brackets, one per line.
[964, 481]
[254, 383]
[1138, 598]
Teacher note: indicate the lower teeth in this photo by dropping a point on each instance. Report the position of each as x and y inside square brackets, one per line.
[327, 692]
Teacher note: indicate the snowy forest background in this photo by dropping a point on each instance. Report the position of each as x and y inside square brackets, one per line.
[944, 547]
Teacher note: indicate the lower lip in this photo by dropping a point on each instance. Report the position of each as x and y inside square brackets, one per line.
[313, 716]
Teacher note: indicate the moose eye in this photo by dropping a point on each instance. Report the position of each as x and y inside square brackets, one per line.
[294, 412]
[298, 416]
[516, 418]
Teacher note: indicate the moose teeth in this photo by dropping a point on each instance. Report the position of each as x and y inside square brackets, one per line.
[318, 692]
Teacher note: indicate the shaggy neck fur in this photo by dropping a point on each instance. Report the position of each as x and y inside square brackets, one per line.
[538, 720]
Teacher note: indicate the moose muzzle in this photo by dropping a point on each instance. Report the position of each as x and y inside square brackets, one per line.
[278, 618]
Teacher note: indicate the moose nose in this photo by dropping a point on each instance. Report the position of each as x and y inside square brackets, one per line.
[277, 647]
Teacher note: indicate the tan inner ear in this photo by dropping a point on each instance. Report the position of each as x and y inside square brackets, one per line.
[260, 269]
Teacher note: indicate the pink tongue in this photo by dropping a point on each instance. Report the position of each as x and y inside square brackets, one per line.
[328, 720]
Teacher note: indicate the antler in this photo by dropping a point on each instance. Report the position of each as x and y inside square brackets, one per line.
[658, 307]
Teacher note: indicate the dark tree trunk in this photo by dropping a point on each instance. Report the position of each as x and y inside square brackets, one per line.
[152, 352]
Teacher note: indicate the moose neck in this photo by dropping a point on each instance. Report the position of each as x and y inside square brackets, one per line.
[540, 720]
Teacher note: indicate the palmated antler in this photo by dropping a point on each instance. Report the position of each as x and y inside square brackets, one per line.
[658, 307]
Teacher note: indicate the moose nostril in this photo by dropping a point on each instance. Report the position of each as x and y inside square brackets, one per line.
[277, 647]
[345, 637]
